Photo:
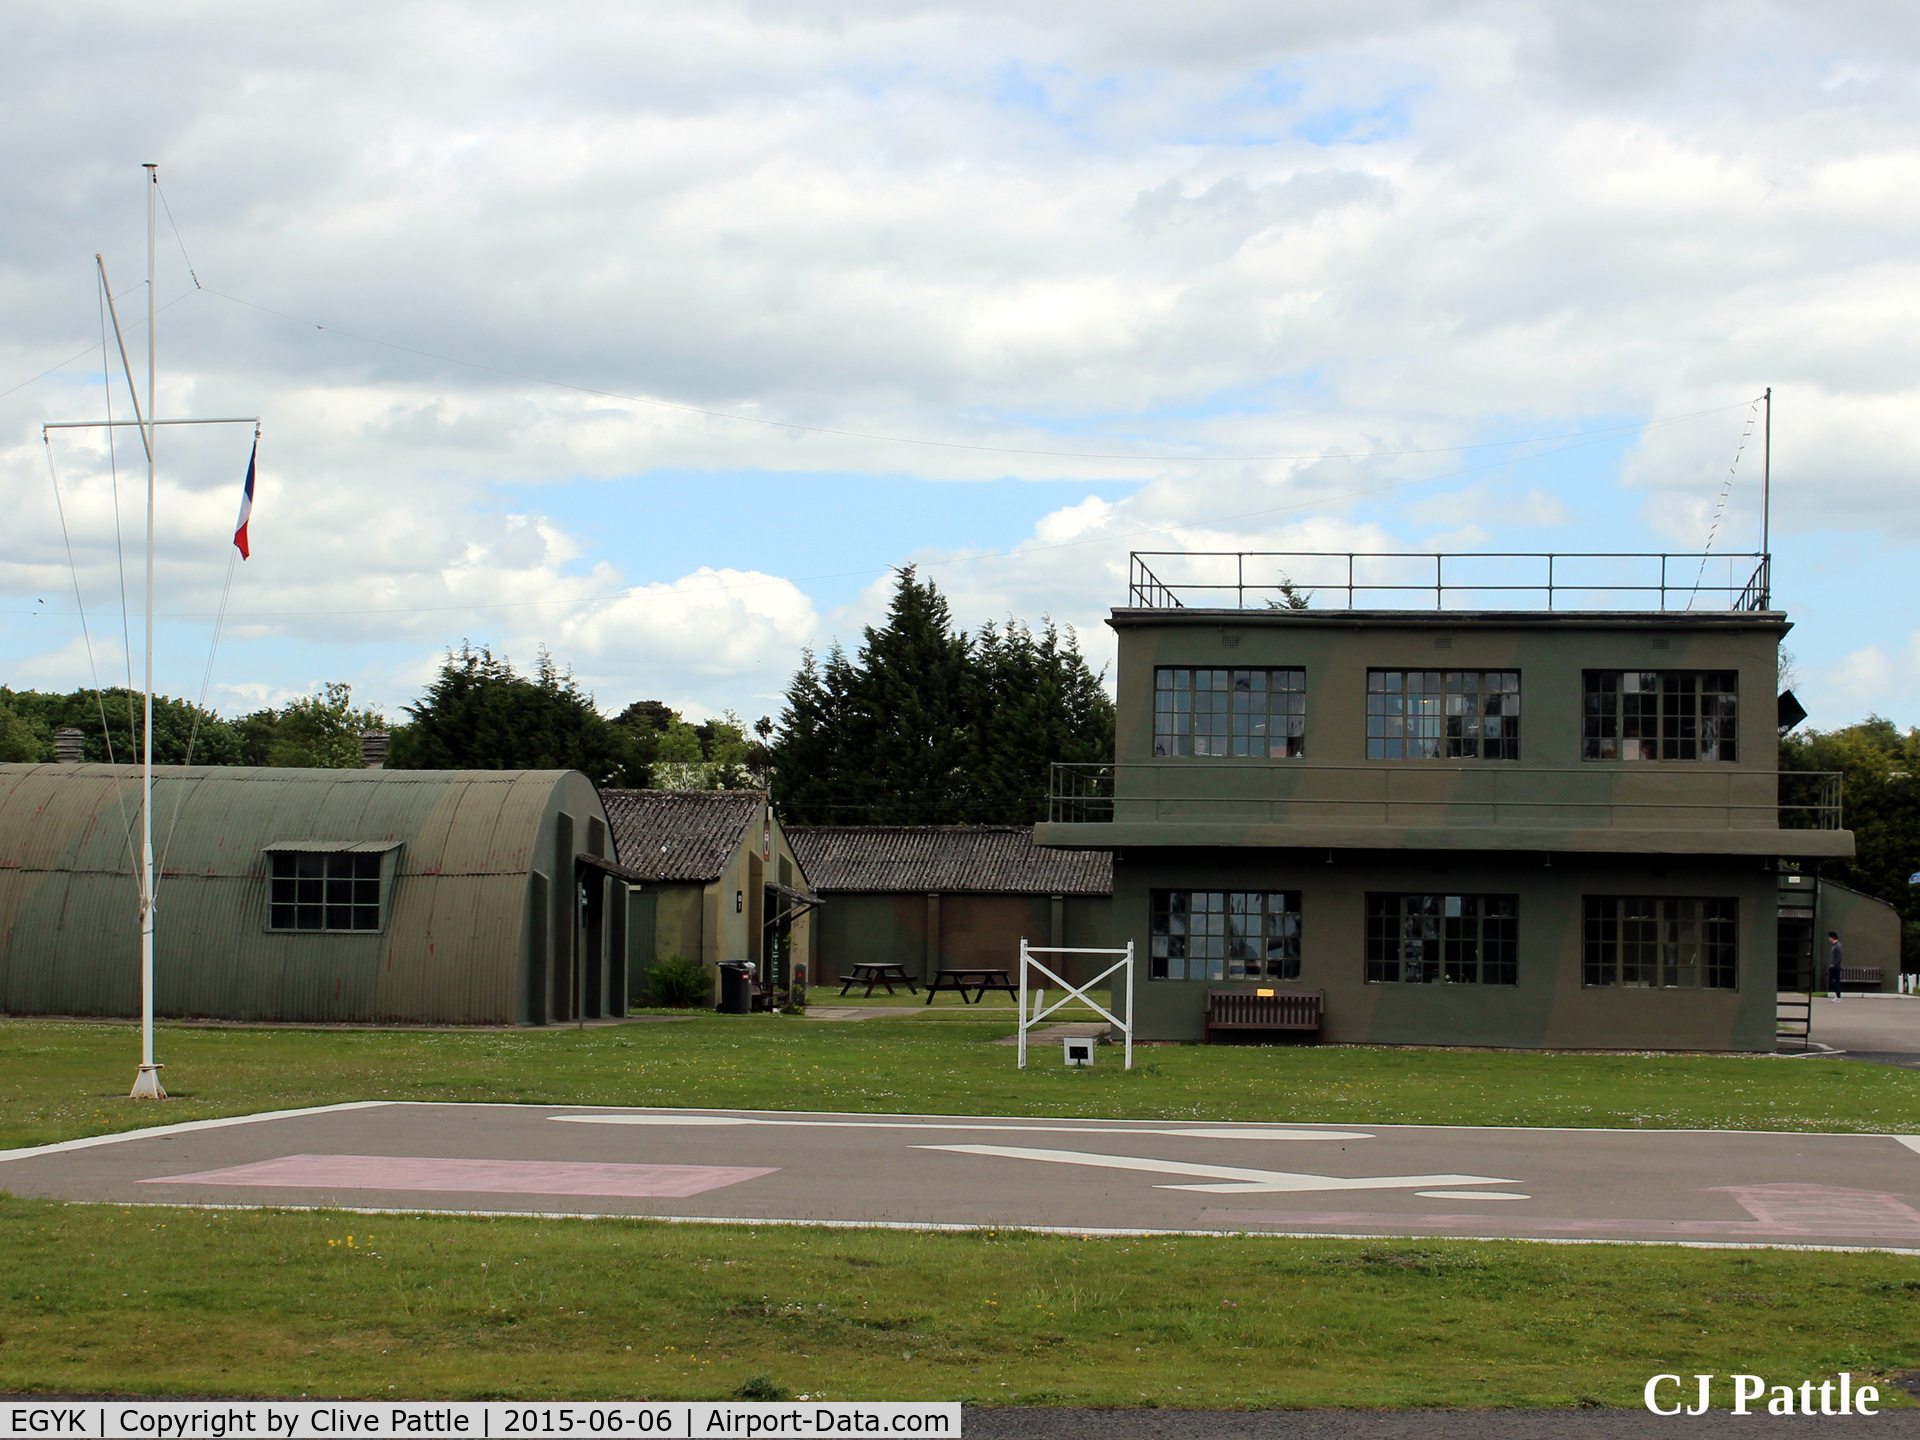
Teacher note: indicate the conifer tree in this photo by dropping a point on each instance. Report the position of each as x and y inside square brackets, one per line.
[481, 714]
[930, 727]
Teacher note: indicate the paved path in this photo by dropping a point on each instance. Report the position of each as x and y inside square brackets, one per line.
[1884, 1029]
[1700, 1187]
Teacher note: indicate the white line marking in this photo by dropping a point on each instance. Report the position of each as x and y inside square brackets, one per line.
[1912, 1142]
[186, 1127]
[1239, 1181]
[1469, 1195]
[1382, 1125]
[1215, 1133]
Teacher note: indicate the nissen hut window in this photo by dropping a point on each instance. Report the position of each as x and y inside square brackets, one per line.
[321, 885]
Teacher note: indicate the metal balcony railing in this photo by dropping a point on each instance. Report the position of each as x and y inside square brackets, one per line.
[1430, 793]
[1354, 580]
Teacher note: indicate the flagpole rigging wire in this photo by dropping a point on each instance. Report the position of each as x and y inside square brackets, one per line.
[176, 233]
[113, 471]
[1720, 508]
[206, 683]
[86, 635]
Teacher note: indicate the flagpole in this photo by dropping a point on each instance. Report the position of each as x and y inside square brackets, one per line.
[146, 1085]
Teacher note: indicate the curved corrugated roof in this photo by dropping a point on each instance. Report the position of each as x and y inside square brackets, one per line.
[457, 913]
[213, 819]
[679, 834]
[983, 859]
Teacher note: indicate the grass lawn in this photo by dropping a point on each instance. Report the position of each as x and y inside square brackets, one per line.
[331, 1304]
[61, 1080]
[159, 1301]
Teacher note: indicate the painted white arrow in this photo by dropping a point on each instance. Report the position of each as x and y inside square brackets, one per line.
[1218, 1132]
[1230, 1179]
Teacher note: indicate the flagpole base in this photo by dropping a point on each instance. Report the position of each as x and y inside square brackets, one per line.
[146, 1085]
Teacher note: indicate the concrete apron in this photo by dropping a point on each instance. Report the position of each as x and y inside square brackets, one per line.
[1691, 1187]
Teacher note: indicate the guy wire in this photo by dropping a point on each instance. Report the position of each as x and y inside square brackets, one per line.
[1720, 508]
[113, 470]
[73, 571]
[200, 709]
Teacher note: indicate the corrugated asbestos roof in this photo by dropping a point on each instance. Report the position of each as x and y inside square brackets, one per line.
[679, 834]
[955, 859]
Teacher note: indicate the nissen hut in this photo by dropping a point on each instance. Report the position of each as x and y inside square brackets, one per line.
[422, 896]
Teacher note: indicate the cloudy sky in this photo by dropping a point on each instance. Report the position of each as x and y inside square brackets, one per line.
[658, 333]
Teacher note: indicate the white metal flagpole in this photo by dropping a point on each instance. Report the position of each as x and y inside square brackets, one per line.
[146, 1085]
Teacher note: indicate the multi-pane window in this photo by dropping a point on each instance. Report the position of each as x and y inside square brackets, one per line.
[1443, 715]
[1229, 712]
[1655, 942]
[1442, 939]
[1225, 935]
[315, 891]
[1661, 714]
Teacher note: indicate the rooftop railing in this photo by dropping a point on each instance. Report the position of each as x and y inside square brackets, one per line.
[1512, 580]
[1428, 793]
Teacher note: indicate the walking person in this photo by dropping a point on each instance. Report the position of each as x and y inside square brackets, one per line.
[1833, 966]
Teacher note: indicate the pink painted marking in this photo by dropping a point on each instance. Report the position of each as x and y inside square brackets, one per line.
[493, 1177]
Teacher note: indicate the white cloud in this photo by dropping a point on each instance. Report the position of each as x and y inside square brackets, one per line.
[1117, 229]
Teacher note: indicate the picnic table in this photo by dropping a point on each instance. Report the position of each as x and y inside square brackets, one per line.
[978, 981]
[878, 973]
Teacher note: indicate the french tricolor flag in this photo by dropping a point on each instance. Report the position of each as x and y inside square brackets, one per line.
[246, 504]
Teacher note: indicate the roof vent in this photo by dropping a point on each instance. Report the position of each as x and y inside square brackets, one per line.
[373, 749]
[69, 745]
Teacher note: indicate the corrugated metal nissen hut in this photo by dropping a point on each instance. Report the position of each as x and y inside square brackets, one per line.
[448, 897]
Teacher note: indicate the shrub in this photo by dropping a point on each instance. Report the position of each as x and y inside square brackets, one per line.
[679, 982]
[760, 1387]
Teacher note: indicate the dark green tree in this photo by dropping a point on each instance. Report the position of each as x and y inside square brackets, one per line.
[179, 726]
[256, 732]
[929, 727]
[481, 714]
[322, 732]
[656, 747]
[1038, 702]
[1880, 798]
[807, 750]
[17, 740]
[908, 753]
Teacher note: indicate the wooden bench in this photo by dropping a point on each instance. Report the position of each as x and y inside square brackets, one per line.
[1265, 1009]
[1861, 975]
[978, 981]
[875, 973]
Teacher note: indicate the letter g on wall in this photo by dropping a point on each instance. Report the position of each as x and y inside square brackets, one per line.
[1653, 1402]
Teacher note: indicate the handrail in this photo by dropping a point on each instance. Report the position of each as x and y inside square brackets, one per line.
[1677, 579]
[1083, 792]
